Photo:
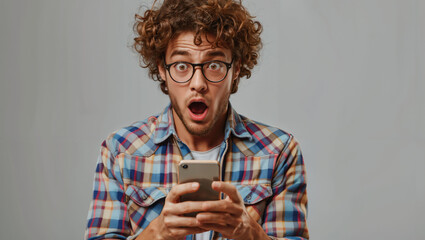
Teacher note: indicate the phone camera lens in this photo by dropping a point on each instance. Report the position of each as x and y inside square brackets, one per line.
[184, 166]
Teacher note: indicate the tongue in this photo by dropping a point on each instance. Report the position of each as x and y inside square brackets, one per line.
[198, 107]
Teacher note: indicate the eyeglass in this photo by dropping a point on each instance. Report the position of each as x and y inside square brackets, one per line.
[214, 71]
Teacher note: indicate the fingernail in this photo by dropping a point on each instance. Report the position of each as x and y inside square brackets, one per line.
[195, 185]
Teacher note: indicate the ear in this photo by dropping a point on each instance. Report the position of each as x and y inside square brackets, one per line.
[236, 69]
[162, 71]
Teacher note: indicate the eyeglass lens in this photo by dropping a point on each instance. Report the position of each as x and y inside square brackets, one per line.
[214, 71]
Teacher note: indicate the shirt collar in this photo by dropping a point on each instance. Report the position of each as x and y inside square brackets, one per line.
[165, 126]
[235, 125]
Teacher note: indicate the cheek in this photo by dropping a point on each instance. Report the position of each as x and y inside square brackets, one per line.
[222, 94]
[176, 93]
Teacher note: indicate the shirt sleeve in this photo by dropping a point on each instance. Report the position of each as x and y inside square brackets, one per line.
[107, 217]
[286, 213]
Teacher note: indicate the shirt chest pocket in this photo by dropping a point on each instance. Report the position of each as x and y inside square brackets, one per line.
[144, 204]
[255, 198]
[147, 196]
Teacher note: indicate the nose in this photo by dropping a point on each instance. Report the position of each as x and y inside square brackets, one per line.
[198, 82]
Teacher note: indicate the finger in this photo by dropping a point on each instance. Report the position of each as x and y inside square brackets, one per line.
[181, 222]
[185, 207]
[222, 206]
[180, 189]
[182, 232]
[222, 219]
[226, 231]
[228, 189]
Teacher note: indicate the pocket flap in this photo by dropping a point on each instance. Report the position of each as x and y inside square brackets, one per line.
[146, 196]
[252, 194]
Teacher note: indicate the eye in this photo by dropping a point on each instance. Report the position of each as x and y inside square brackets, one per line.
[215, 66]
[181, 67]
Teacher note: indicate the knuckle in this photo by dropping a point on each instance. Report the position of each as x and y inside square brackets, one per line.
[166, 211]
[174, 234]
[224, 218]
[167, 222]
[226, 207]
[170, 196]
[239, 211]
[230, 207]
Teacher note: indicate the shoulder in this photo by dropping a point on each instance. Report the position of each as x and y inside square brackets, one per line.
[135, 139]
[265, 139]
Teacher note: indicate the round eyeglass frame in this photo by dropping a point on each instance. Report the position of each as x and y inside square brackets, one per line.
[194, 65]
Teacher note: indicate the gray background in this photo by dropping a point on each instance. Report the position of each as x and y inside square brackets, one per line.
[346, 77]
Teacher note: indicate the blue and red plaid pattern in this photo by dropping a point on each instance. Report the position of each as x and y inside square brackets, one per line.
[138, 166]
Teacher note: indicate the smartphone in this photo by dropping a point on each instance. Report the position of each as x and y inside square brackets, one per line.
[204, 172]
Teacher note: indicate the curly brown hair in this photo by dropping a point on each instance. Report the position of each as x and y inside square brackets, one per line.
[229, 21]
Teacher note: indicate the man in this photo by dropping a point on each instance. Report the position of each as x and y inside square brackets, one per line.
[198, 50]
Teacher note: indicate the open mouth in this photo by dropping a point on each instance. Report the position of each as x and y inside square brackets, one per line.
[198, 108]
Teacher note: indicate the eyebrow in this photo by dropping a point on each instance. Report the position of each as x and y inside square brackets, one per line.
[216, 54]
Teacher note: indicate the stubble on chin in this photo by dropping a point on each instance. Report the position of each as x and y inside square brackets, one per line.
[200, 130]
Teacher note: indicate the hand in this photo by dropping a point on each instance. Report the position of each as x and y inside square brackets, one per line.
[171, 224]
[229, 216]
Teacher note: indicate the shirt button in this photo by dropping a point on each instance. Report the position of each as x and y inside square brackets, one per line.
[145, 197]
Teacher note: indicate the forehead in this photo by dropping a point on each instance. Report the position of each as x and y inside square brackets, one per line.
[183, 45]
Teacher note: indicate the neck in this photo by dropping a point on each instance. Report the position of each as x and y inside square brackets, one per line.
[203, 143]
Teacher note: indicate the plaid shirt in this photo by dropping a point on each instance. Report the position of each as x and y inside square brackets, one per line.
[138, 166]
